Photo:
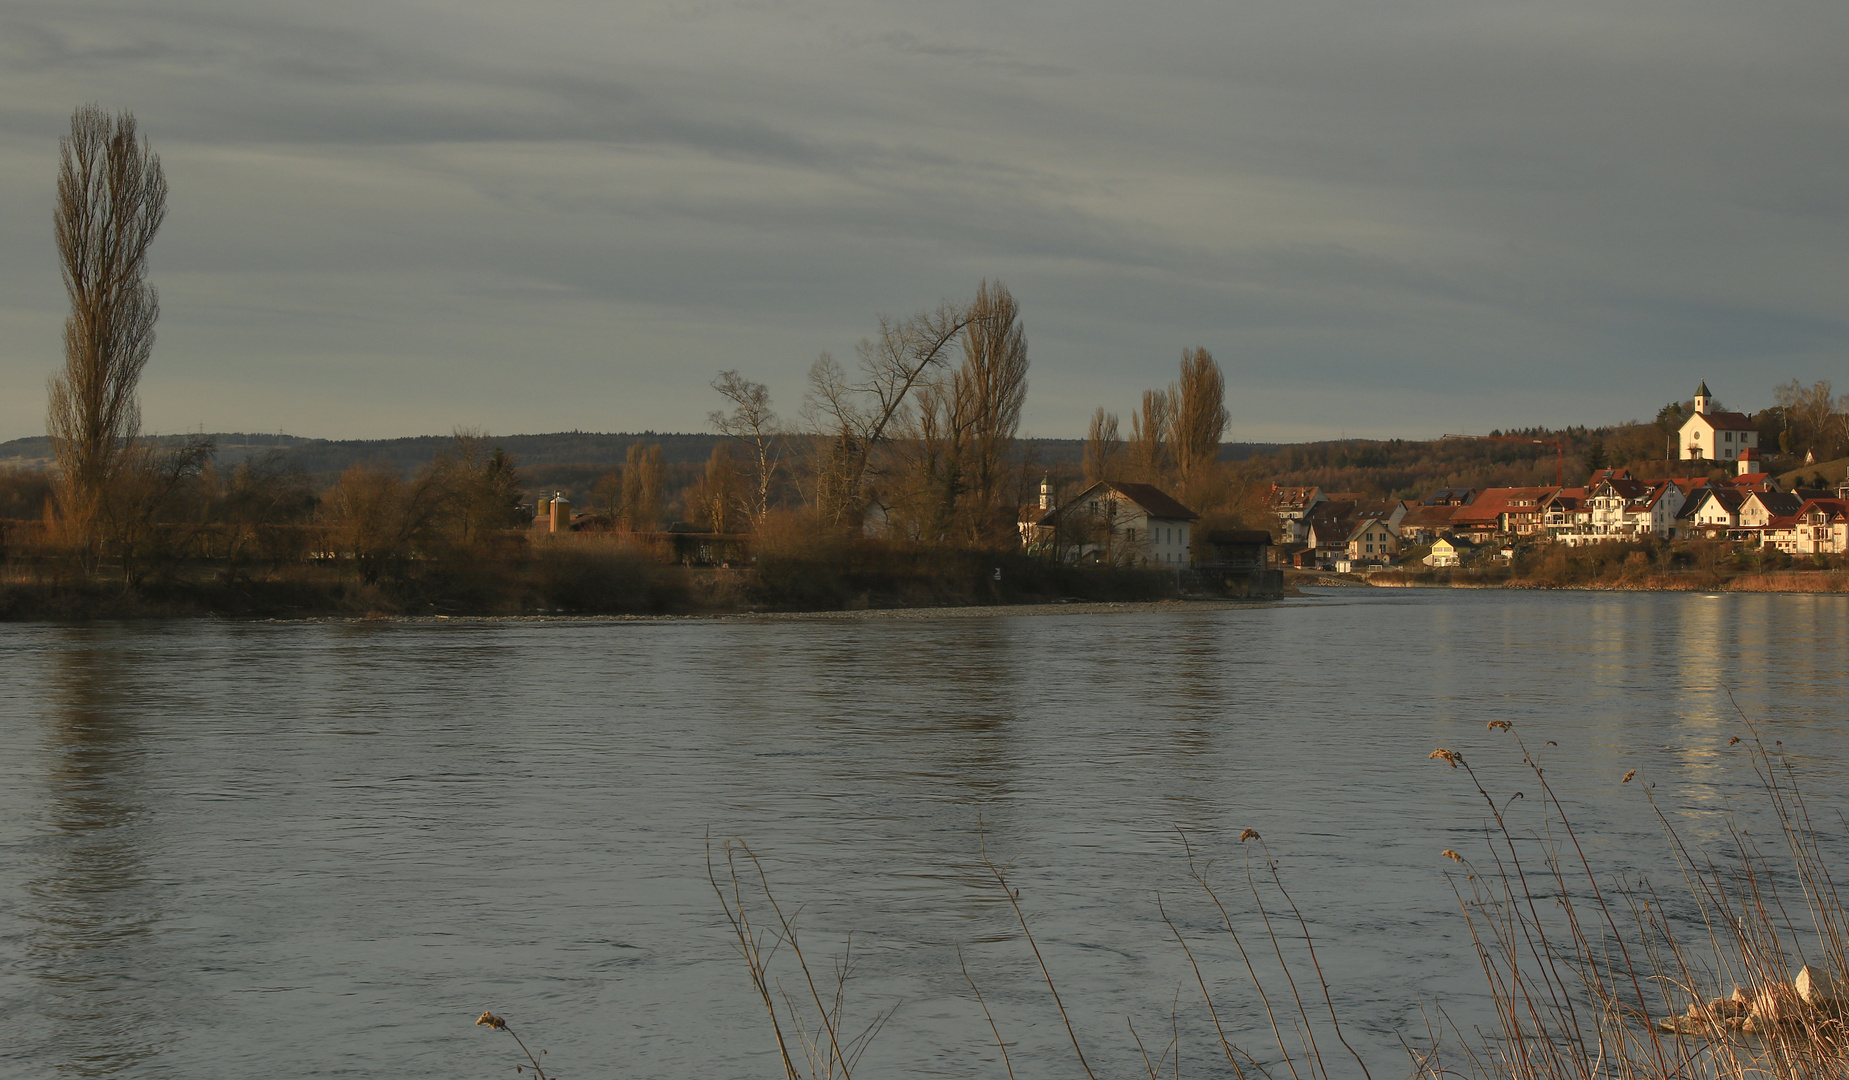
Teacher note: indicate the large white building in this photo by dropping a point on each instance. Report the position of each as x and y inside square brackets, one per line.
[1117, 523]
[1714, 436]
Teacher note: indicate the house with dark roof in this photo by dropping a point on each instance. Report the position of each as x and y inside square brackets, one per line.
[1326, 530]
[1451, 497]
[1759, 507]
[1714, 436]
[1819, 527]
[1121, 524]
[1235, 562]
[1371, 542]
[1565, 512]
[1291, 505]
[1712, 511]
[1425, 522]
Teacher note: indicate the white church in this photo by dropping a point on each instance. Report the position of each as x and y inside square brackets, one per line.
[1715, 436]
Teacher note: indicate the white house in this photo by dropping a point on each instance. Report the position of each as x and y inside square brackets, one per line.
[1713, 510]
[1714, 436]
[1760, 507]
[1373, 541]
[1122, 524]
[1445, 552]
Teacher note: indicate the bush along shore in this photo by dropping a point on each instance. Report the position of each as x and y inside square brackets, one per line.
[569, 574]
[1649, 565]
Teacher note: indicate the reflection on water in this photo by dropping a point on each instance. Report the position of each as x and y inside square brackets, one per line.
[90, 907]
[277, 850]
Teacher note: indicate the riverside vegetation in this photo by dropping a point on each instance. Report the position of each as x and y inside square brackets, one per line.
[1647, 564]
[914, 441]
[1591, 973]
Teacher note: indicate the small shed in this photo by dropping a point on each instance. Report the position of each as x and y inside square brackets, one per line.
[1236, 562]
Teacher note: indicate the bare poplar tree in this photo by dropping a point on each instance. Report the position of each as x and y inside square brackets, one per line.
[852, 413]
[1102, 446]
[642, 486]
[1149, 437]
[112, 198]
[930, 459]
[752, 423]
[1200, 418]
[717, 496]
[991, 388]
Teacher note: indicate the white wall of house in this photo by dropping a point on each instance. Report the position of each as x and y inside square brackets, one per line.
[1373, 542]
[1167, 539]
[1136, 536]
[1699, 439]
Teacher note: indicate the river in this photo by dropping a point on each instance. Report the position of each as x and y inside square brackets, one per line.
[310, 849]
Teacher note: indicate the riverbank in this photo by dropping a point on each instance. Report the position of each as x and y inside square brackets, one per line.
[588, 580]
[1822, 582]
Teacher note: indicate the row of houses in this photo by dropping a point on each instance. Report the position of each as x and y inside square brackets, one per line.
[1333, 528]
[1328, 529]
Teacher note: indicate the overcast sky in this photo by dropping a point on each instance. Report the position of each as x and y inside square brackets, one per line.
[1384, 218]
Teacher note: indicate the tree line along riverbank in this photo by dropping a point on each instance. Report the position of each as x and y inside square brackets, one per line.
[576, 574]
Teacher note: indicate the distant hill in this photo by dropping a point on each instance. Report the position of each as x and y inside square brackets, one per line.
[563, 456]
[1831, 471]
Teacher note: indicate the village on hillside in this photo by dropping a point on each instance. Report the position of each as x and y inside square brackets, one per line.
[1348, 532]
[1344, 531]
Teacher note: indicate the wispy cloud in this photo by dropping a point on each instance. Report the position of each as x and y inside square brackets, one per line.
[1384, 220]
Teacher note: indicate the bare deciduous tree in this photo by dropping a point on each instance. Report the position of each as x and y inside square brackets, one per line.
[1102, 446]
[1149, 437]
[157, 502]
[375, 520]
[607, 497]
[715, 499]
[931, 452]
[991, 388]
[1817, 419]
[754, 425]
[475, 489]
[852, 413]
[642, 487]
[112, 198]
[1200, 418]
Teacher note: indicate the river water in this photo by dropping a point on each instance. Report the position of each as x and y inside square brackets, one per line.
[315, 849]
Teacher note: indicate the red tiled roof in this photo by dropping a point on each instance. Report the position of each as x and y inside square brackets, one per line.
[1492, 503]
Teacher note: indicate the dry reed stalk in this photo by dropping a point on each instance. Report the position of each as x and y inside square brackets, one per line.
[1014, 901]
[1570, 991]
[489, 1020]
[826, 1050]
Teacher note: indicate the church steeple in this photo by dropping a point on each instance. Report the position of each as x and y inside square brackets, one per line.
[1702, 398]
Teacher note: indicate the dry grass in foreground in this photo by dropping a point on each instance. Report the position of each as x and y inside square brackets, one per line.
[1739, 972]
